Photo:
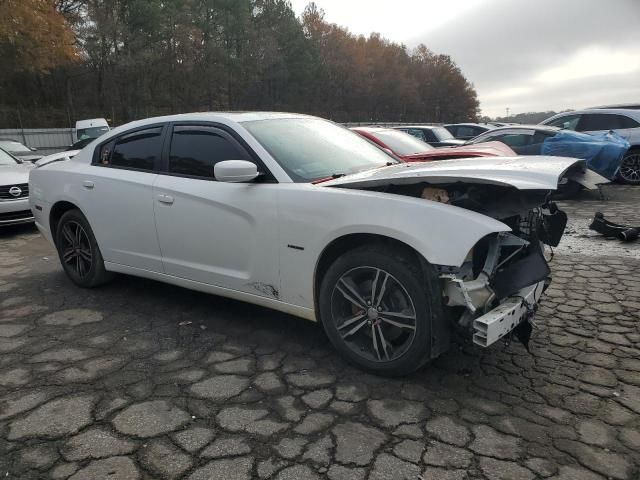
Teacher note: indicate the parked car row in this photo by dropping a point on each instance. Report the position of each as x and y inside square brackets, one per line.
[597, 122]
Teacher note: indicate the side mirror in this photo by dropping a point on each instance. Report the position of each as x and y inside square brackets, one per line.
[235, 171]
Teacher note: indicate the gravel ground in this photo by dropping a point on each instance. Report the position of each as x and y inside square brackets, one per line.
[144, 380]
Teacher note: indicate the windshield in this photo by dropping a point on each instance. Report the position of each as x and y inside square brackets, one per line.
[443, 134]
[6, 159]
[93, 132]
[402, 143]
[12, 146]
[310, 148]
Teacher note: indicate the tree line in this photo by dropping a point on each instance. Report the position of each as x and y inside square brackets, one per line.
[65, 60]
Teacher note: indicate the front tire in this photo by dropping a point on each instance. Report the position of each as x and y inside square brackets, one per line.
[378, 309]
[630, 168]
[78, 251]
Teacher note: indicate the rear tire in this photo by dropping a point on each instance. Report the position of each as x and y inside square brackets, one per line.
[378, 309]
[78, 251]
[630, 168]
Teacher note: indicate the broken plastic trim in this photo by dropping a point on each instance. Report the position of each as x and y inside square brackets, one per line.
[626, 233]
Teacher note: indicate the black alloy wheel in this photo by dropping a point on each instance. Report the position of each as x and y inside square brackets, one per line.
[78, 250]
[630, 168]
[378, 306]
[373, 314]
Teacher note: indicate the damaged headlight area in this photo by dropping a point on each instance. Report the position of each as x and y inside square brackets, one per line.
[496, 290]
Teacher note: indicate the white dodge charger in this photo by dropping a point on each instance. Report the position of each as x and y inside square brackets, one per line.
[298, 214]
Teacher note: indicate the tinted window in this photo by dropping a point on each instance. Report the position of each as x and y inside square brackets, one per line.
[429, 136]
[602, 121]
[467, 132]
[140, 150]
[590, 122]
[416, 133]
[569, 122]
[514, 139]
[195, 150]
[442, 134]
[627, 122]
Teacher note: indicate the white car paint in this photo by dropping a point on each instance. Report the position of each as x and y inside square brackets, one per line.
[261, 242]
[523, 173]
[56, 157]
[12, 176]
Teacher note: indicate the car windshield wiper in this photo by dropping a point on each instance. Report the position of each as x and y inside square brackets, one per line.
[333, 176]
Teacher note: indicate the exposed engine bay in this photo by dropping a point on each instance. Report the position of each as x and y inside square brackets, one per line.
[496, 290]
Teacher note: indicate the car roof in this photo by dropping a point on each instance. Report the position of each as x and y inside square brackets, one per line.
[625, 106]
[546, 128]
[468, 124]
[426, 127]
[618, 111]
[237, 117]
[373, 129]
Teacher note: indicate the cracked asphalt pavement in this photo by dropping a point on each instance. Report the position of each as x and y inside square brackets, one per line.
[144, 380]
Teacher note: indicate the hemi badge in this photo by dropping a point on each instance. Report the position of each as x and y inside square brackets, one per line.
[295, 247]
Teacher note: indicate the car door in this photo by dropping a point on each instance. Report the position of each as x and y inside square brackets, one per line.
[217, 233]
[117, 197]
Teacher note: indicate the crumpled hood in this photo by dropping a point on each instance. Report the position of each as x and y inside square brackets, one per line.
[27, 156]
[14, 175]
[523, 173]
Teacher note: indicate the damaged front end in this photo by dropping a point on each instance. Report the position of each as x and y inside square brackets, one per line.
[495, 292]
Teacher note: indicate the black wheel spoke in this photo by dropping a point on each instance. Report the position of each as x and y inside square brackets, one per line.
[374, 340]
[351, 321]
[85, 254]
[376, 302]
[397, 315]
[68, 235]
[398, 324]
[79, 266]
[383, 341]
[348, 293]
[356, 328]
[68, 255]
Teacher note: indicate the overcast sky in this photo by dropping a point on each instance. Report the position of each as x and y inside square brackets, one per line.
[525, 55]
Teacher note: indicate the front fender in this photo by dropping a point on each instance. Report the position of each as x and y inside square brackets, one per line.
[312, 217]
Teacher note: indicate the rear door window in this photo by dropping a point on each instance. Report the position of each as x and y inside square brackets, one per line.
[591, 122]
[138, 150]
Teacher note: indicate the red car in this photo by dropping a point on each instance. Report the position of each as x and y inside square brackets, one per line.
[412, 149]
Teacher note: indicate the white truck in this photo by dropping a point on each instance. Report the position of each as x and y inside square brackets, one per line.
[91, 128]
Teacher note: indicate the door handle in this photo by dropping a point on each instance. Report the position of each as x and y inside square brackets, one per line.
[166, 199]
[88, 184]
